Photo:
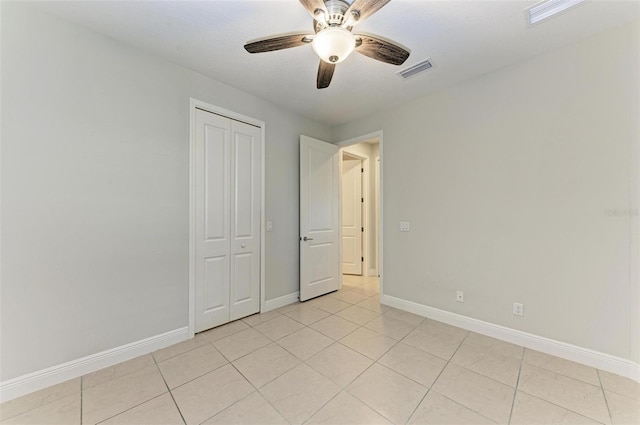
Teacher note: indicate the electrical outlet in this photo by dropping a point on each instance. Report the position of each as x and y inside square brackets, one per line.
[404, 226]
[269, 226]
[460, 296]
[518, 309]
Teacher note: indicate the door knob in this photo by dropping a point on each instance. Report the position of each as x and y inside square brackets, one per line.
[243, 245]
[307, 239]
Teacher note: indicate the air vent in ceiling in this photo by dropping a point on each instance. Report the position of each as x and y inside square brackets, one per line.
[415, 69]
[549, 8]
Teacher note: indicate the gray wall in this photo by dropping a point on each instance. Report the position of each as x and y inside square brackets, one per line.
[95, 142]
[507, 181]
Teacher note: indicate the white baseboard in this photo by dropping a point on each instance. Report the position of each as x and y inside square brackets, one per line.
[567, 351]
[291, 298]
[44, 378]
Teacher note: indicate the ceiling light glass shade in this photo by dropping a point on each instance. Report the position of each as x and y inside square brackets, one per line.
[334, 44]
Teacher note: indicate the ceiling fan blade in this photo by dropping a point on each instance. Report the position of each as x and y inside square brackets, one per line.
[362, 9]
[325, 72]
[313, 5]
[382, 50]
[280, 42]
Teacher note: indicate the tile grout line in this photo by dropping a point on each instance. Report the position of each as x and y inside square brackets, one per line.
[569, 377]
[231, 405]
[467, 407]
[399, 341]
[515, 391]
[301, 362]
[31, 409]
[199, 376]
[255, 390]
[184, 352]
[420, 402]
[413, 412]
[169, 390]
[81, 398]
[312, 329]
[132, 407]
[564, 408]
[344, 389]
[328, 401]
[364, 402]
[177, 407]
[604, 395]
[306, 364]
[439, 374]
[380, 364]
[495, 380]
[472, 371]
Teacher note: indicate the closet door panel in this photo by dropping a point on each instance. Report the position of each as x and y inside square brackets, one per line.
[215, 295]
[245, 219]
[213, 208]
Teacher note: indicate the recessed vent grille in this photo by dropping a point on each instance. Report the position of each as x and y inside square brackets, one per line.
[548, 9]
[415, 69]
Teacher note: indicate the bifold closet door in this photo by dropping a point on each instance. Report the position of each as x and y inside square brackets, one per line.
[245, 220]
[227, 173]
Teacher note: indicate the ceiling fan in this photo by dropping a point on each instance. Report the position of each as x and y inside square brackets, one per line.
[333, 41]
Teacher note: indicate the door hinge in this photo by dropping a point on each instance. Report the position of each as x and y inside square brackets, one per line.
[362, 170]
[361, 199]
[362, 229]
[362, 259]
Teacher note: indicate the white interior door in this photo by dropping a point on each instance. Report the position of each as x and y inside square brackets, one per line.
[227, 219]
[213, 177]
[245, 220]
[319, 218]
[352, 216]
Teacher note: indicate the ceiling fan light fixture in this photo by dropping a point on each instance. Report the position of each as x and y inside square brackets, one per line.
[334, 44]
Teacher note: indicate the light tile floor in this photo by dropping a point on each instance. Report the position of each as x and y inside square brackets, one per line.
[339, 359]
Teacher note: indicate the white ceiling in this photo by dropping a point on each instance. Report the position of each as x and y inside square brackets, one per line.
[464, 39]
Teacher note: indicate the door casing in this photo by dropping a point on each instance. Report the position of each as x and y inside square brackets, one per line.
[197, 104]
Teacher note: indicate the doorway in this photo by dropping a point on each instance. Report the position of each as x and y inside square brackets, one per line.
[367, 150]
[352, 214]
[320, 200]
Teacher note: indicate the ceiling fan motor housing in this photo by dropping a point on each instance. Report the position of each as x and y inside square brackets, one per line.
[335, 12]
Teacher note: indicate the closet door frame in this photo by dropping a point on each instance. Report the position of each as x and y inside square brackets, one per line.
[198, 104]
